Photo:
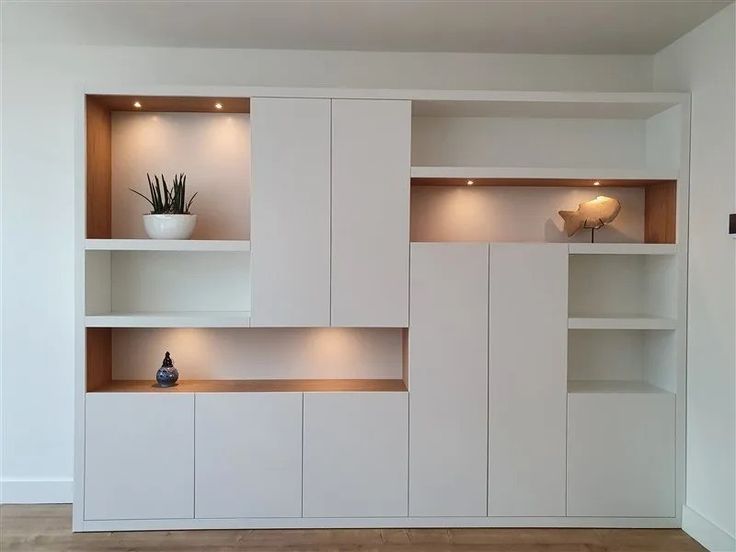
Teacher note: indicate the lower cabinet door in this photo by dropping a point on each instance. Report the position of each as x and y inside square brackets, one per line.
[248, 455]
[139, 456]
[621, 454]
[355, 454]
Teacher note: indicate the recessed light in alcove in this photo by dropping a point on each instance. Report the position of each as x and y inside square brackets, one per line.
[218, 105]
[470, 182]
[596, 183]
[137, 105]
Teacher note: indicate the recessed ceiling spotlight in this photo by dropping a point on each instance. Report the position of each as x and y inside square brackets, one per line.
[596, 183]
[470, 182]
[218, 105]
[137, 104]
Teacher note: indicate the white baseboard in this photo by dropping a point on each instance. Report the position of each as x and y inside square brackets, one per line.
[712, 537]
[36, 491]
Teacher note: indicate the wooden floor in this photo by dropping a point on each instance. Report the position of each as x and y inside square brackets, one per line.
[48, 528]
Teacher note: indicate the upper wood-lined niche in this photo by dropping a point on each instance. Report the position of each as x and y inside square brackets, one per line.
[485, 208]
[100, 158]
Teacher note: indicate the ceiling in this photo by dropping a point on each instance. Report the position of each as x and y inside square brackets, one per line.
[491, 26]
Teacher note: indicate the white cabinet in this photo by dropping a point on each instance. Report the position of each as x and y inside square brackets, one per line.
[528, 379]
[290, 212]
[249, 455]
[139, 456]
[355, 454]
[621, 454]
[371, 143]
[448, 380]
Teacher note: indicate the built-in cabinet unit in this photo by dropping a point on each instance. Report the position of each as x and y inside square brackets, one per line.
[371, 142]
[355, 454]
[621, 450]
[290, 231]
[448, 371]
[527, 397]
[139, 456]
[379, 320]
[248, 451]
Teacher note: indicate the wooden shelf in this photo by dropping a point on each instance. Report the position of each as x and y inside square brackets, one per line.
[204, 319]
[166, 245]
[621, 323]
[538, 176]
[254, 386]
[609, 386]
[623, 249]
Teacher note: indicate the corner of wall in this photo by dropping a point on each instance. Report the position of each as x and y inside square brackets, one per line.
[706, 533]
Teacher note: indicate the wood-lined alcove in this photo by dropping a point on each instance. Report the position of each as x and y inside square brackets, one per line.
[658, 200]
[98, 126]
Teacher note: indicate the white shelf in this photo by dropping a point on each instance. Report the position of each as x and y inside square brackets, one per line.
[609, 386]
[166, 245]
[204, 319]
[623, 249]
[620, 323]
[543, 172]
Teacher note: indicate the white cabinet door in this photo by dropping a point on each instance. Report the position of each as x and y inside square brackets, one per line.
[290, 212]
[621, 454]
[448, 380]
[139, 456]
[527, 379]
[248, 455]
[371, 145]
[355, 454]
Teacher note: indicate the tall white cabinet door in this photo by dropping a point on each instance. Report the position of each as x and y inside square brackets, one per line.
[355, 454]
[139, 456]
[290, 212]
[248, 455]
[448, 380]
[371, 149]
[527, 379]
[621, 449]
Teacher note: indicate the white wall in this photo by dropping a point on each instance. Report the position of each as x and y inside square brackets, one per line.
[703, 61]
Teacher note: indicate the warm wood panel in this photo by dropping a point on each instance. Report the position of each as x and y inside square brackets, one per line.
[528, 379]
[355, 454]
[51, 526]
[98, 173]
[536, 182]
[290, 212]
[448, 375]
[660, 213]
[139, 456]
[260, 436]
[371, 158]
[196, 104]
[99, 358]
[253, 386]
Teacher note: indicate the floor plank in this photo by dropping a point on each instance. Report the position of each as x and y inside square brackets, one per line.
[47, 528]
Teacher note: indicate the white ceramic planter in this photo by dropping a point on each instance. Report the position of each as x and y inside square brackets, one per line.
[169, 227]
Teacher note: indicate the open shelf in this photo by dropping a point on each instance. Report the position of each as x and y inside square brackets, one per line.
[622, 249]
[221, 359]
[255, 386]
[204, 319]
[612, 386]
[621, 323]
[166, 245]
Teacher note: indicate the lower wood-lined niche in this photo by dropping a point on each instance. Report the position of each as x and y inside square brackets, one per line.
[248, 359]
[525, 210]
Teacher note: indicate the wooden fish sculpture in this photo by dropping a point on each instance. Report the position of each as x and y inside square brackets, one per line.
[591, 214]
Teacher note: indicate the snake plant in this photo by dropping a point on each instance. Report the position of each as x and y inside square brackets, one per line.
[170, 201]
